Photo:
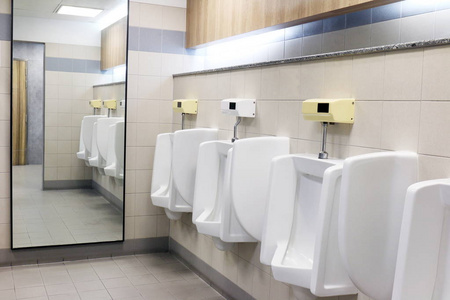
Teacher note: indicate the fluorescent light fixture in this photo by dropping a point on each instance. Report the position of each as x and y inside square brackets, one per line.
[78, 11]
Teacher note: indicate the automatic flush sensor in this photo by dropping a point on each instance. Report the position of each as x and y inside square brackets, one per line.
[328, 111]
[241, 108]
[185, 106]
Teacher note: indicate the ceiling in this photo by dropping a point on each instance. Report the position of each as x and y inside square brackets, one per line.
[45, 8]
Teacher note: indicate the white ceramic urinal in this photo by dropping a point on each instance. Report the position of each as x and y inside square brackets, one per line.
[174, 171]
[423, 263]
[86, 134]
[300, 232]
[373, 194]
[249, 184]
[213, 171]
[115, 150]
[212, 211]
[103, 137]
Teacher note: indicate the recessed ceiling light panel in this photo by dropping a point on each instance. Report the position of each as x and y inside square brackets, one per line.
[78, 11]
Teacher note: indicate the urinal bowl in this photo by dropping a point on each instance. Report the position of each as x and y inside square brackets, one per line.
[370, 214]
[114, 163]
[212, 211]
[86, 136]
[300, 232]
[249, 181]
[423, 263]
[175, 182]
[104, 135]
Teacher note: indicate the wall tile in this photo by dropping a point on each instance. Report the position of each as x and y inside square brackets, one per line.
[245, 276]
[359, 18]
[311, 79]
[432, 139]
[336, 74]
[435, 74]
[334, 23]
[312, 44]
[403, 75]
[313, 28]
[293, 32]
[412, 8]
[174, 18]
[134, 14]
[150, 16]
[288, 118]
[417, 28]
[433, 167]
[368, 77]
[150, 40]
[366, 131]
[5, 54]
[4, 106]
[400, 129]
[357, 37]
[386, 12]
[289, 82]
[149, 63]
[333, 41]
[5, 27]
[145, 227]
[385, 33]
[270, 83]
[261, 284]
[442, 27]
[293, 48]
[173, 42]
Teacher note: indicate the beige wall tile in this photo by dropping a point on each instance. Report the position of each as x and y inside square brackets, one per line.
[5, 7]
[270, 83]
[368, 77]
[150, 64]
[252, 83]
[357, 37]
[289, 113]
[145, 227]
[150, 16]
[337, 73]
[174, 18]
[311, 79]
[433, 136]
[268, 115]
[400, 129]
[261, 285]
[245, 276]
[134, 14]
[162, 226]
[129, 227]
[4, 80]
[149, 87]
[4, 187]
[433, 167]
[366, 131]
[5, 54]
[403, 75]
[290, 84]
[4, 106]
[230, 266]
[278, 290]
[435, 74]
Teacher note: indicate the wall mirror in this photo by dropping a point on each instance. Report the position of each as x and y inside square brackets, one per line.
[68, 121]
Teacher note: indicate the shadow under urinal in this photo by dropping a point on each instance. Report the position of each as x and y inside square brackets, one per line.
[299, 239]
[370, 215]
[234, 173]
[423, 259]
[174, 169]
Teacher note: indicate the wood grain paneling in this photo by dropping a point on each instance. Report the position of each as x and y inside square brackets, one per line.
[211, 20]
[19, 117]
[114, 44]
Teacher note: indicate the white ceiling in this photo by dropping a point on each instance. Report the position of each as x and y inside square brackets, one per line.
[46, 8]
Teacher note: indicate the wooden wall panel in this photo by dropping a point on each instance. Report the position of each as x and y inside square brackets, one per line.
[212, 20]
[19, 117]
[114, 44]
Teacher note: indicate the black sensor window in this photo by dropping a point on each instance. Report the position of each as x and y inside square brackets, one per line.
[323, 107]
[232, 106]
[179, 104]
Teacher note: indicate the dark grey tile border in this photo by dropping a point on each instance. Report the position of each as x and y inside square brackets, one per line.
[354, 52]
[116, 202]
[5, 27]
[76, 252]
[67, 184]
[60, 64]
[219, 282]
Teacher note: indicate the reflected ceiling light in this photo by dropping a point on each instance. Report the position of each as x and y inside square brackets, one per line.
[113, 16]
[79, 11]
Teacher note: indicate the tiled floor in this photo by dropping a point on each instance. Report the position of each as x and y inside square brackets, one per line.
[56, 217]
[148, 276]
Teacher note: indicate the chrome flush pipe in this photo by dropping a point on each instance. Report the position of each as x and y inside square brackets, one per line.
[183, 115]
[323, 153]
[238, 120]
